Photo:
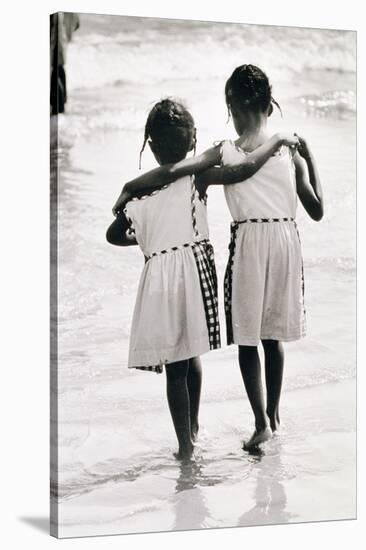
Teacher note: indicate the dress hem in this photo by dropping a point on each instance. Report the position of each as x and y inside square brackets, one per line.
[179, 357]
[255, 342]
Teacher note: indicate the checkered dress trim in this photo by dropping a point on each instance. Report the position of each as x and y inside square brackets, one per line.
[193, 207]
[151, 194]
[204, 256]
[205, 261]
[131, 229]
[263, 220]
[228, 280]
[158, 369]
[174, 248]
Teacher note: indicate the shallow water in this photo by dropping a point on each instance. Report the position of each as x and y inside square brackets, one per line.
[116, 467]
[306, 473]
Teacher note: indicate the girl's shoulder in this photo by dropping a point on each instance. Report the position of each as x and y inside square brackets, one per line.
[229, 151]
[149, 194]
[234, 146]
[138, 205]
[157, 197]
[226, 146]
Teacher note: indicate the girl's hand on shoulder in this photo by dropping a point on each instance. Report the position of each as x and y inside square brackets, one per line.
[289, 140]
[303, 148]
[121, 202]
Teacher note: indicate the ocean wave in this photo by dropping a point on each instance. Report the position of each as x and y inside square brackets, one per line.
[341, 263]
[143, 51]
[340, 103]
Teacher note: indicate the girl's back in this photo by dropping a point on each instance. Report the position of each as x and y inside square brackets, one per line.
[269, 193]
[170, 217]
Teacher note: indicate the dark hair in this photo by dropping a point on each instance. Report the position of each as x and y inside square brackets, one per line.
[248, 88]
[171, 129]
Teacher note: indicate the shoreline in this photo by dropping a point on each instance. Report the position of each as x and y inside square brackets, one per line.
[307, 473]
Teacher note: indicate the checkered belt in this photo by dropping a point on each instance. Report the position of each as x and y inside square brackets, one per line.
[263, 220]
[174, 248]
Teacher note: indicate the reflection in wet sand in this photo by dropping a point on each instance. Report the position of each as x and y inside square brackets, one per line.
[189, 503]
[270, 494]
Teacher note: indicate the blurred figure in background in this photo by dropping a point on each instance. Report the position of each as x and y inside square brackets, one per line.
[62, 26]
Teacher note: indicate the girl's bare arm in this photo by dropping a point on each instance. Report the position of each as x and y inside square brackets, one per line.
[308, 185]
[157, 178]
[252, 162]
[117, 232]
[163, 175]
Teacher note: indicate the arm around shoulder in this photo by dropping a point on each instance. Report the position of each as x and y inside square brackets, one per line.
[164, 175]
[308, 184]
[228, 174]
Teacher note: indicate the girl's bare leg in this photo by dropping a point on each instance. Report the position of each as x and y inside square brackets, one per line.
[178, 400]
[250, 368]
[194, 382]
[274, 362]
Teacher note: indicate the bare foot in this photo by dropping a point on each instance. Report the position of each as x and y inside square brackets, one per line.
[274, 422]
[257, 438]
[184, 454]
[275, 426]
[194, 431]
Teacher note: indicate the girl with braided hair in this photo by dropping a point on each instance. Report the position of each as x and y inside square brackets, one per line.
[207, 167]
[176, 313]
[264, 285]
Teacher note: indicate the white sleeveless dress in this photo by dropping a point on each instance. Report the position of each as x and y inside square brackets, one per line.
[176, 311]
[264, 283]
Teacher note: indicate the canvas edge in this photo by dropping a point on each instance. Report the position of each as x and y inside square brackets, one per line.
[53, 197]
